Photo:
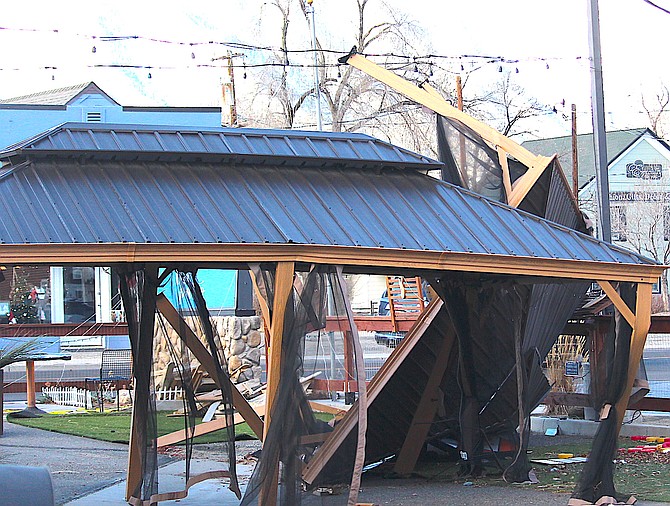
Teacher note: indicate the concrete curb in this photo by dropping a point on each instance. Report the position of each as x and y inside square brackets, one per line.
[588, 428]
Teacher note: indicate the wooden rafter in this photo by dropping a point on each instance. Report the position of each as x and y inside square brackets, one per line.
[425, 411]
[382, 258]
[429, 98]
[618, 302]
[390, 366]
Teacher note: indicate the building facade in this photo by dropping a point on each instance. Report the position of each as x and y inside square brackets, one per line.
[639, 190]
[77, 294]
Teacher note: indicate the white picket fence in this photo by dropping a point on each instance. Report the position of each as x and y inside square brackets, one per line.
[78, 397]
[68, 396]
[170, 394]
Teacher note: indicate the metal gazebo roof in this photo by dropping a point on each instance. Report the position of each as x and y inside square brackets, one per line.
[63, 190]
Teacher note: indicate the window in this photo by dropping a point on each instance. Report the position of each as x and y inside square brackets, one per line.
[618, 214]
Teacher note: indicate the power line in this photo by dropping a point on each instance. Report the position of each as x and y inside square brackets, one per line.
[657, 6]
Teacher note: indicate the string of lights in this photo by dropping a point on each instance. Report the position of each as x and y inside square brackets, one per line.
[472, 57]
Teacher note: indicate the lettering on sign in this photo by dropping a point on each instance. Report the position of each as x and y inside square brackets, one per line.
[640, 170]
[640, 196]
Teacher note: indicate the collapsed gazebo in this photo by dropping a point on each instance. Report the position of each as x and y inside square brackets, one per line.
[299, 209]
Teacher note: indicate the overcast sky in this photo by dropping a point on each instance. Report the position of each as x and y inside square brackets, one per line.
[534, 32]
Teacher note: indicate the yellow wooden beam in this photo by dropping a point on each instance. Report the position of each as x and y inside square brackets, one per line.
[618, 302]
[384, 258]
[536, 164]
[507, 180]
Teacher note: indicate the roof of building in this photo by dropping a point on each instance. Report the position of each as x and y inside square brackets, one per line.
[79, 194]
[58, 96]
[617, 142]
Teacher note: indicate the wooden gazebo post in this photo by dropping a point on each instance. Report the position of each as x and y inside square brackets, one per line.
[283, 285]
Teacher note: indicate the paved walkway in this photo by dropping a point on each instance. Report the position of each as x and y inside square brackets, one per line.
[90, 472]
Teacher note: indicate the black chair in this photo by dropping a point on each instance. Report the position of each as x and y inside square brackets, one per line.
[115, 366]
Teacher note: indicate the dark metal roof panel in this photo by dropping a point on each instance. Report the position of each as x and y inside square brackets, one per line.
[92, 201]
[243, 145]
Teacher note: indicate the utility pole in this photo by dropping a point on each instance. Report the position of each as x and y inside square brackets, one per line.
[310, 10]
[228, 92]
[598, 114]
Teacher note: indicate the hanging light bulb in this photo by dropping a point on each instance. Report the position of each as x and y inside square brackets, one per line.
[416, 68]
[547, 66]
[149, 76]
[193, 56]
[93, 49]
[517, 70]
[462, 67]
[244, 76]
[53, 77]
[430, 70]
[339, 74]
[500, 69]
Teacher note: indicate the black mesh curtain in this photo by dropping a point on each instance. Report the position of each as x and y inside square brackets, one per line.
[491, 315]
[291, 415]
[469, 161]
[596, 482]
[139, 290]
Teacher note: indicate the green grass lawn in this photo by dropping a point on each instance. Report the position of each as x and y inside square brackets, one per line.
[115, 427]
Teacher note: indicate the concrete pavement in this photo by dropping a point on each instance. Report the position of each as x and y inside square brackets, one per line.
[90, 472]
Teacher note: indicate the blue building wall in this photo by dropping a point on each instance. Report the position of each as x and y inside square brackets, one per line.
[19, 122]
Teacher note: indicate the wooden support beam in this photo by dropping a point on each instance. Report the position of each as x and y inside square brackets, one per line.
[638, 338]
[507, 180]
[618, 302]
[283, 286]
[390, 366]
[536, 164]
[142, 357]
[425, 411]
[204, 428]
[388, 259]
[441, 106]
[202, 354]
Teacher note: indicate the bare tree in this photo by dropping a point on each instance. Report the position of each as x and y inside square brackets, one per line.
[506, 106]
[658, 107]
[647, 224]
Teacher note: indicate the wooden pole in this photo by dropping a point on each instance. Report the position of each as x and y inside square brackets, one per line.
[143, 356]
[575, 155]
[30, 383]
[283, 286]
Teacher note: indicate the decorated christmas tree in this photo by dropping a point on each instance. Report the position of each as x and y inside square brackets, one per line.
[23, 298]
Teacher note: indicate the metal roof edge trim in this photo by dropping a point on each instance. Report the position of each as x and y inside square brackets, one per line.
[208, 156]
[27, 145]
[104, 253]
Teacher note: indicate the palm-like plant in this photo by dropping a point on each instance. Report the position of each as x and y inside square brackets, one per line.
[18, 352]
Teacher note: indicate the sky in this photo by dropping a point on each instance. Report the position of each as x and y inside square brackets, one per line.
[49, 46]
